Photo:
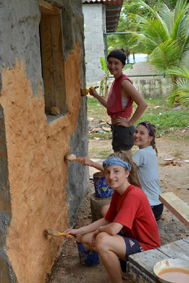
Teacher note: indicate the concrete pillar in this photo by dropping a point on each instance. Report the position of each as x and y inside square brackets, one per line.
[6, 272]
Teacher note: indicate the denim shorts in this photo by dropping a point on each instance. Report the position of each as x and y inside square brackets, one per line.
[122, 137]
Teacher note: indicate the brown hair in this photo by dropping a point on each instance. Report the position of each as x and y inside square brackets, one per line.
[133, 178]
[153, 128]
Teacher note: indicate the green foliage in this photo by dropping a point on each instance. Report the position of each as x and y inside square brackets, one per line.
[181, 92]
[104, 79]
[165, 38]
[165, 55]
[103, 64]
[127, 66]
[128, 42]
[167, 120]
[95, 109]
[93, 105]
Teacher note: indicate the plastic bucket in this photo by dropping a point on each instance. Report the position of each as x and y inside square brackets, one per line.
[102, 189]
[87, 257]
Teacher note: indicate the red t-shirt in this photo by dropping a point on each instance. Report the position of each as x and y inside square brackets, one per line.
[114, 102]
[133, 211]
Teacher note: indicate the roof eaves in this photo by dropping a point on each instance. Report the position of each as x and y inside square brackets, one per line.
[113, 9]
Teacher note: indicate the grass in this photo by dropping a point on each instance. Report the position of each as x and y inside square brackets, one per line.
[95, 109]
[168, 121]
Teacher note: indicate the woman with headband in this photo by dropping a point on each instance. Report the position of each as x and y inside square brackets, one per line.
[147, 165]
[129, 226]
[120, 103]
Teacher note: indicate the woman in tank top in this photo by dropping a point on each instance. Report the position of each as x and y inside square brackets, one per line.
[120, 103]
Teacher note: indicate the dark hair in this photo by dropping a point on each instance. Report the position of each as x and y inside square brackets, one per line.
[153, 129]
[133, 178]
[118, 54]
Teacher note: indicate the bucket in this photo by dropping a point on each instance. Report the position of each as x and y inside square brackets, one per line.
[102, 189]
[87, 257]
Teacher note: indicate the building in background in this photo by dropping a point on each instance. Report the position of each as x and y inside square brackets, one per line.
[100, 17]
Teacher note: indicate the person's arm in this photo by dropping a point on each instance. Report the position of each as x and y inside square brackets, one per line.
[101, 99]
[111, 229]
[86, 229]
[88, 162]
[130, 90]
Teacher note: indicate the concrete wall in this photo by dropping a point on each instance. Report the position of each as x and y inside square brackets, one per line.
[153, 86]
[39, 189]
[148, 86]
[94, 20]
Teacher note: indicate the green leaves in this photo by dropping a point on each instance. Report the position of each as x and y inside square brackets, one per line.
[181, 92]
[103, 64]
[165, 55]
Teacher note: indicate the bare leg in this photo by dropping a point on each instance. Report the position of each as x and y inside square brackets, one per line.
[86, 240]
[110, 248]
[104, 209]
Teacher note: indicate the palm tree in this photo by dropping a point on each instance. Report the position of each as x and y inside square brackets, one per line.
[181, 93]
[165, 36]
[126, 41]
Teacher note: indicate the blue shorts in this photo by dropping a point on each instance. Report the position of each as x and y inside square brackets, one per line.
[122, 137]
[132, 247]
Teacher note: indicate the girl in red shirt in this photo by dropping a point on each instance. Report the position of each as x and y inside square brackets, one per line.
[129, 225]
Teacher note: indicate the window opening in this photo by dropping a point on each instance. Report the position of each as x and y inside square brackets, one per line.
[50, 32]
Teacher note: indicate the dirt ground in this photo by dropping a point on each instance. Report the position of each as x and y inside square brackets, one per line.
[173, 177]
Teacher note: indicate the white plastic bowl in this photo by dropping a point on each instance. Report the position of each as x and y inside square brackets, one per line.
[170, 263]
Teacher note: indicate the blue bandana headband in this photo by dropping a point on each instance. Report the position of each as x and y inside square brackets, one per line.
[112, 160]
[148, 128]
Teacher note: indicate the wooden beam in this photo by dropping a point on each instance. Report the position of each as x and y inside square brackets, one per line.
[48, 9]
[178, 207]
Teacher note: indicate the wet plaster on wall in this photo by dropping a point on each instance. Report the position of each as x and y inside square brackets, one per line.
[37, 169]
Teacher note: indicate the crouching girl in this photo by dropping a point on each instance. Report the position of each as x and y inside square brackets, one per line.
[129, 225]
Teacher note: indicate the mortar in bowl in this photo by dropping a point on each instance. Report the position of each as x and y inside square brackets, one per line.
[172, 270]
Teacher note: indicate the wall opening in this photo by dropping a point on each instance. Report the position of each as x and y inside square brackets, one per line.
[52, 61]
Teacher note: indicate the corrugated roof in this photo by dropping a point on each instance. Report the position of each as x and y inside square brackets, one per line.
[113, 9]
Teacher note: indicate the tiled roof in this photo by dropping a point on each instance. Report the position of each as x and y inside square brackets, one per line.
[113, 9]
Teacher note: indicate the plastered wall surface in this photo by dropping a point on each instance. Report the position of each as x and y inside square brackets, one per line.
[37, 172]
[40, 182]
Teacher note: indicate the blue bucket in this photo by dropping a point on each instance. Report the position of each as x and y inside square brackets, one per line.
[102, 189]
[87, 257]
